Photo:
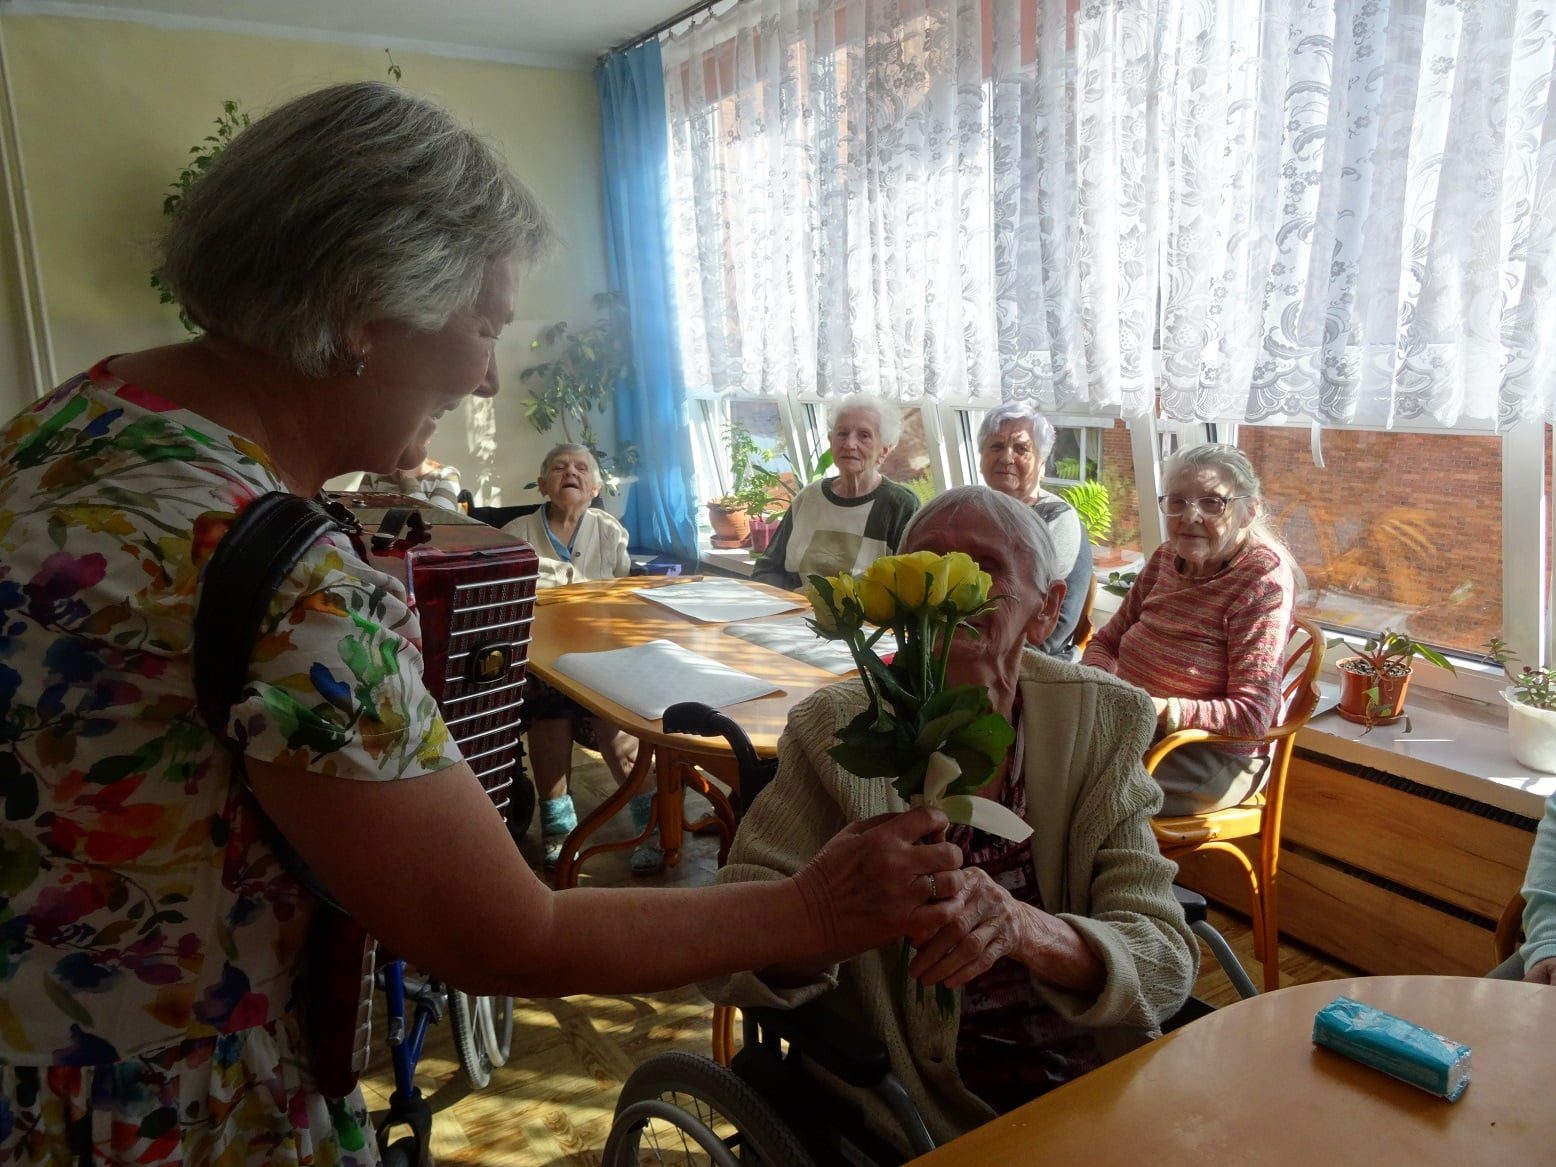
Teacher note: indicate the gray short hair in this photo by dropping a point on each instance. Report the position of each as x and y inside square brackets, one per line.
[352, 203]
[1017, 521]
[572, 448]
[1018, 411]
[888, 418]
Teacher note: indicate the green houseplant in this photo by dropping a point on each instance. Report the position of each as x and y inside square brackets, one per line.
[581, 380]
[750, 484]
[1091, 503]
[1373, 680]
[228, 125]
[1531, 709]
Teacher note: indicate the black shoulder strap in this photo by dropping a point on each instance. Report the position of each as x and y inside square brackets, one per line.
[257, 553]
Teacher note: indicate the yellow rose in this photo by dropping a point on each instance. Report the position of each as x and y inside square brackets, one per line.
[844, 614]
[967, 588]
[877, 600]
[950, 572]
[819, 610]
[915, 575]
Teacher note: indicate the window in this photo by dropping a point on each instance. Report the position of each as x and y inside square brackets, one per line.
[1398, 530]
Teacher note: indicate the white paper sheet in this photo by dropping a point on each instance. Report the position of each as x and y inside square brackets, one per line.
[794, 638]
[718, 601]
[648, 678]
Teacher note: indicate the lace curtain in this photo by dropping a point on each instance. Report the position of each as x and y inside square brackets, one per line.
[916, 198]
[1360, 206]
[1353, 201]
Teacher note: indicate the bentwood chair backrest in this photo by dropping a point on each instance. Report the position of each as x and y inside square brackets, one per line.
[1084, 628]
[1221, 831]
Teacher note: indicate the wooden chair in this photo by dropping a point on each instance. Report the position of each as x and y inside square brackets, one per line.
[1084, 627]
[1220, 831]
[1510, 928]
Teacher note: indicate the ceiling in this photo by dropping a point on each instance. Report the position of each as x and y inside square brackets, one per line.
[559, 33]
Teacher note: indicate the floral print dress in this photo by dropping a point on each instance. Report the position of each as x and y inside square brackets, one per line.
[148, 935]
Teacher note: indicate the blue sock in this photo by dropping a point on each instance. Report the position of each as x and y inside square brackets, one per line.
[641, 808]
[557, 817]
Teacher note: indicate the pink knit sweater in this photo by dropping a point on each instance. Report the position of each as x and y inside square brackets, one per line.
[1217, 644]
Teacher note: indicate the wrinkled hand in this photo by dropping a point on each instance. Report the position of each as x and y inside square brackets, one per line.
[1543, 973]
[870, 881]
[986, 922]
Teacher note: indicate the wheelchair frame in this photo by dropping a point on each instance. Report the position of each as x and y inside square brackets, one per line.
[770, 1064]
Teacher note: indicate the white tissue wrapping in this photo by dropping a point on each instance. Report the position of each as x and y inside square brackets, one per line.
[966, 809]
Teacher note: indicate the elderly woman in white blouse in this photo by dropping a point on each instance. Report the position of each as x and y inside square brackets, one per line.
[576, 541]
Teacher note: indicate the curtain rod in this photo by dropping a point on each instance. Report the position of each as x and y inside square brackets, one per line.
[663, 26]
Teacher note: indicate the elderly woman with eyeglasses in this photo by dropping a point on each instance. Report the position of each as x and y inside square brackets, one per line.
[1013, 444]
[1204, 628]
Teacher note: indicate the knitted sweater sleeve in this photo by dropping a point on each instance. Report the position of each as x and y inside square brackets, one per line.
[1257, 627]
[1540, 892]
[770, 567]
[1132, 920]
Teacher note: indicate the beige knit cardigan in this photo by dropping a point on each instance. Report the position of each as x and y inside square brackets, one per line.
[1089, 801]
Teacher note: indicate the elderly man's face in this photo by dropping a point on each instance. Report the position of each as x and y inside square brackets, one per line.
[1009, 461]
[1027, 616]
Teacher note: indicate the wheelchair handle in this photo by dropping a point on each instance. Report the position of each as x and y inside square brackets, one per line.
[699, 720]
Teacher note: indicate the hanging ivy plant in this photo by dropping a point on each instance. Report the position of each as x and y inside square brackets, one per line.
[232, 120]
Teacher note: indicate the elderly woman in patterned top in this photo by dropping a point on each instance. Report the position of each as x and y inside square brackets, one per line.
[351, 259]
[1204, 627]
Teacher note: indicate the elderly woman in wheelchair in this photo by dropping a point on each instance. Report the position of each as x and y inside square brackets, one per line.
[1070, 948]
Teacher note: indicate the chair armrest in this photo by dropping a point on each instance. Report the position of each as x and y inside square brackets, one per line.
[834, 1043]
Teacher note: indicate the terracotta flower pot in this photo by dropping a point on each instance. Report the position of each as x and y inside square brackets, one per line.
[731, 525]
[1355, 705]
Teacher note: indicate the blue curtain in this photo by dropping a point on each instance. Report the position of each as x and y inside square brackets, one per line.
[651, 405]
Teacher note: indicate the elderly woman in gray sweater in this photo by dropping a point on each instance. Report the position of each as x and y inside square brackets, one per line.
[1070, 948]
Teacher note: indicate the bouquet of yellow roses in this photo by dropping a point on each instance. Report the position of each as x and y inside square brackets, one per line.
[937, 744]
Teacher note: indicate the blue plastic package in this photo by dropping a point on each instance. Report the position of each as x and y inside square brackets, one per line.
[1398, 1047]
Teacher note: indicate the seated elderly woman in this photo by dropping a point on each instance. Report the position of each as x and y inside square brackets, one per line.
[576, 541]
[1013, 444]
[1071, 947]
[847, 522]
[1204, 627]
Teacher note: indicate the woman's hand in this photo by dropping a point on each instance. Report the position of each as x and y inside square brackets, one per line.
[986, 923]
[1543, 973]
[871, 880]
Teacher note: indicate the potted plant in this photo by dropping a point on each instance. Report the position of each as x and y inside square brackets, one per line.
[1531, 710]
[730, 514]
[581, 380]
[1373, 681]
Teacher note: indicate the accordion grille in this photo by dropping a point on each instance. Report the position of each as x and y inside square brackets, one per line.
[483, 714]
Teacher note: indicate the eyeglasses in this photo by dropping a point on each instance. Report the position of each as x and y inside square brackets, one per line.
[1212, 506]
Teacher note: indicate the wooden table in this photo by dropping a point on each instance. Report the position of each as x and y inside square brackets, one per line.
[1247, 1085]
[598, 616]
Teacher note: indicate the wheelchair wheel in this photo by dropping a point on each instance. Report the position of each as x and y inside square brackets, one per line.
[483, 1033]
[682, 1108]
[402, 1153]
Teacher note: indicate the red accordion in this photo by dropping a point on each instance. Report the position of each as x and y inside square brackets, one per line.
[473, 589]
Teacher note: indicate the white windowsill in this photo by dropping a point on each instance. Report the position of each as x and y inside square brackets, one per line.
[1453, 744]
[734, 560]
